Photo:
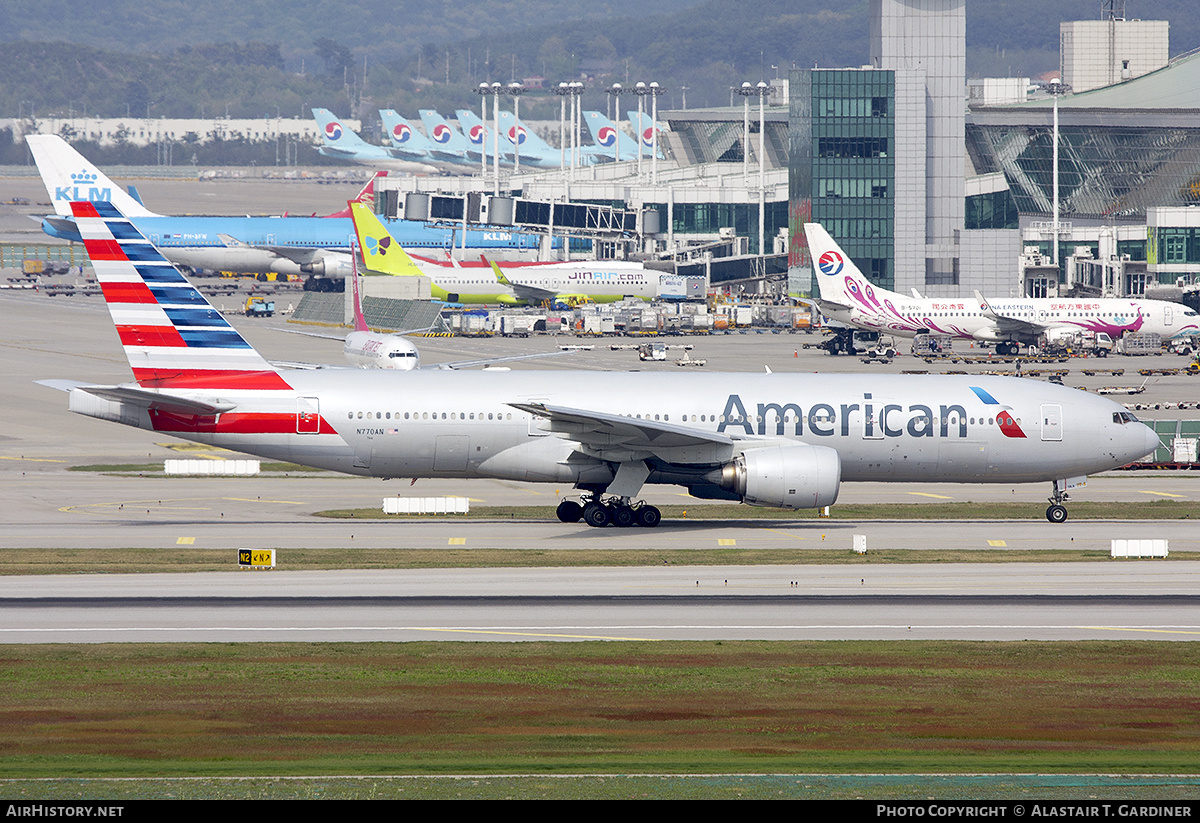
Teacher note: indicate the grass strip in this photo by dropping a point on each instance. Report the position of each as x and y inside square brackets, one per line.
[671, 707]
[174, 559]
[1080, 510]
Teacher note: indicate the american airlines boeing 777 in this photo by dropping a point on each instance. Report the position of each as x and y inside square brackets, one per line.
[781, 440]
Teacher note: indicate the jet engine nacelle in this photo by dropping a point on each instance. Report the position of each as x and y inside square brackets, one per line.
[334, 265]
[785, 476]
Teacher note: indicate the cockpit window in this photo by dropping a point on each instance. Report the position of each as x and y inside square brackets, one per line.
[1124, 417]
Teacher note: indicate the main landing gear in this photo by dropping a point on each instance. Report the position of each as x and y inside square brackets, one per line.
[1056, 512]
[615, 511]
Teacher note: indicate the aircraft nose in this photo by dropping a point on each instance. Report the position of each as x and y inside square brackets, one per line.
[1152, 441]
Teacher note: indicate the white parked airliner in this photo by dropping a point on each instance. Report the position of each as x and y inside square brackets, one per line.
[848, 297]
[782, 440]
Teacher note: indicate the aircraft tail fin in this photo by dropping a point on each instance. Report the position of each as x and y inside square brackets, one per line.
[380, 251]
[608, 136]
[366, 196]
[839, 280]
[645, 127]
[529, 141]
[482, 136]
[69, 177]
[334, 133]
[442, 133]
[360, 319]
[402, 134]
[172, 335]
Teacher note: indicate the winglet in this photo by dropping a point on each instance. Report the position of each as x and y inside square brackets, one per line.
[496, 268]
[380, 251]
[985, 308]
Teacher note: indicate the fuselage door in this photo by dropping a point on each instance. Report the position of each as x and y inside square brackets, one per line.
[1051, 421]
[308, 415]
[1167, 319]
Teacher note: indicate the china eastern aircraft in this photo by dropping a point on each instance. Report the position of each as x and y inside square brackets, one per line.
[848, 297]
[595, 281]
[318, 247]
[780, 440]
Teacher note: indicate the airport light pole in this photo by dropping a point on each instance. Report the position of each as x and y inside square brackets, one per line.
[483, 91]
[562, 91]
[764, 91]
[746, 91]
[516, 89]
[497, 90]
[1056, 88]
[641, 90]
[616, 91]
[655, 91]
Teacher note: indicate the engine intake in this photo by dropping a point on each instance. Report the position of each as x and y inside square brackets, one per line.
[784, 476]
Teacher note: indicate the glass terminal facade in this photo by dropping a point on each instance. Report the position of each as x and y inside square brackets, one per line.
[1106, 171]
[843, 168]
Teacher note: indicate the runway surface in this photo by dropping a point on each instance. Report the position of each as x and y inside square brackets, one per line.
[43, 504]
[1069, 601]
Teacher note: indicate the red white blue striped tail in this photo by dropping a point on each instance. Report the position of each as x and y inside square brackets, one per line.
[172, 335]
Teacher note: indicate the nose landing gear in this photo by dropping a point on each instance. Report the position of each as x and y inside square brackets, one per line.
[1056, 512]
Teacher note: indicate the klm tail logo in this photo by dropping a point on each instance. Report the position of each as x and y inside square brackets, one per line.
[81, 188]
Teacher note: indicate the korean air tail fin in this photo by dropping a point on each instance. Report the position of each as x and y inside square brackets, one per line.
[477, 133]
[442, 133]
[68, 177]
[530, 142]
[172, 335]
[403, 135]
[380, 251]
[334, 133]
[606, 134]
[644, 127]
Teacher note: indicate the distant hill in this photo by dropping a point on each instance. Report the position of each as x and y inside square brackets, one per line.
[269, 57]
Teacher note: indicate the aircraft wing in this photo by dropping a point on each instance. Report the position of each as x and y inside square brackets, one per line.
[466, 364]
[622, 439]
[1009, 325]
[530, 294]
[142, 397]
[299, 256]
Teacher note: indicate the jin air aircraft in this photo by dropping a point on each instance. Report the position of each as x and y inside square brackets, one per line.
[595, 281]
[781, 440]
[848, 297]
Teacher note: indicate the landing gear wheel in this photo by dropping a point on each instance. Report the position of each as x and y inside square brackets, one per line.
[649, 516]
[623, 517]
[1056, 513]
[569, 511]
[596, 515]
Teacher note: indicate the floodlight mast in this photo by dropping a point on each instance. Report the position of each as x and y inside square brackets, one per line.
[515, 90]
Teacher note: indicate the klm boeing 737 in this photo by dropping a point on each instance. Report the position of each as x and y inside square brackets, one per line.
[782, 440]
